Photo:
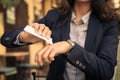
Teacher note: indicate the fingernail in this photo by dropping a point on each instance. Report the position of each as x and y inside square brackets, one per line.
[52, 59]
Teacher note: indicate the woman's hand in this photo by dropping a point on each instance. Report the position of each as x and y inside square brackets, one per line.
[40, 29]
[48, 52]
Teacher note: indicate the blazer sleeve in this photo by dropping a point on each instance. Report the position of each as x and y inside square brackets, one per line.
[99, 65]
[8, 38]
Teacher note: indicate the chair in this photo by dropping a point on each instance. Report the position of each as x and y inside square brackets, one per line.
[37, 76]
[27, 66]
[25, 69]
[8, 71]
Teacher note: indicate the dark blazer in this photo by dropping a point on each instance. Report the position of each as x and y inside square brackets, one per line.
[97, 60]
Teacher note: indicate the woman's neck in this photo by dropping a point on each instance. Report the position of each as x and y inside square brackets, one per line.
[80, 9]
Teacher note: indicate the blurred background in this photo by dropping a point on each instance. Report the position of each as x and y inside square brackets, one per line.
[18, 63]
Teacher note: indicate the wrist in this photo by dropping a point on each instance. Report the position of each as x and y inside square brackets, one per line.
[71, 43]
[21, 38]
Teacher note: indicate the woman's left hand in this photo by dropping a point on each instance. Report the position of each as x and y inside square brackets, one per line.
[48, 52]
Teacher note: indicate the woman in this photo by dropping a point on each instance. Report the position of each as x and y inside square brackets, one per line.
[85, 37]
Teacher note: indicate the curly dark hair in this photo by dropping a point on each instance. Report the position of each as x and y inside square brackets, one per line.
[101, 8]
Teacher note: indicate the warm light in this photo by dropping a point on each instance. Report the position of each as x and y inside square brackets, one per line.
[116, 3]
[39, 0]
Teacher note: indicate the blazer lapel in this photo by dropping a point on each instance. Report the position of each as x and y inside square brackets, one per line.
[66, 27]
[93, 27]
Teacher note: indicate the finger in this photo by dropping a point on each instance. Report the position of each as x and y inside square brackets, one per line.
[36, 27]
[33, 24]
[36, 59]
[49, 34]
[52, 55]
[46, 54]
[45, 31]
[39, 54]
[41, 28]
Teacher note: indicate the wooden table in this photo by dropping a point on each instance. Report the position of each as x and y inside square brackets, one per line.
[14, 54]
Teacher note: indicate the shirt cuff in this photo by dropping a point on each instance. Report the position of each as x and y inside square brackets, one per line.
[17, 41]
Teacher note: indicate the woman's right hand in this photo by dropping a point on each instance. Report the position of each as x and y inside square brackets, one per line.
[40, 29]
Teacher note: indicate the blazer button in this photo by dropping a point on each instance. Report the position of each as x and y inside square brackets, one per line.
[83, 67]
[77, 62]
[7, 38]
[80, 64]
